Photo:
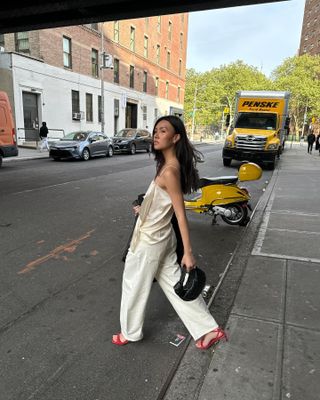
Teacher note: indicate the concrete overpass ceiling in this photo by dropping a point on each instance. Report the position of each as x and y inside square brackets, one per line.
[17, 16]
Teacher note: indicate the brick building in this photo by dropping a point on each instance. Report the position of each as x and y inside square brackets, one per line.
[54, 75]
[310, 36]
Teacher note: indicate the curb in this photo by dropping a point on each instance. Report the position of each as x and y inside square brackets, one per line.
[11, 159]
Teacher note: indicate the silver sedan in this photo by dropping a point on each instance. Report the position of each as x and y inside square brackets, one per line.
[82, 145]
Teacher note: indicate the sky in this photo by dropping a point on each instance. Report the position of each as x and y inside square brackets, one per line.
[260, 35]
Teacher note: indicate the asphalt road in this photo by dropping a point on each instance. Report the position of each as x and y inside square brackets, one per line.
[63, 226]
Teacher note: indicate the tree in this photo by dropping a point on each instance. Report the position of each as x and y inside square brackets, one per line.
[208, 93]
[300, 75]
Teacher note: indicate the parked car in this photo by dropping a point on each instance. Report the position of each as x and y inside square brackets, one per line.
[130, 140]
[83, 145]
[8, 140]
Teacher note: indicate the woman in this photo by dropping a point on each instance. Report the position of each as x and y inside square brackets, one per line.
[152, 252]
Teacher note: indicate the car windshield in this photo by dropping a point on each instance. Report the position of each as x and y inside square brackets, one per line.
[257, 121]
[78, 136]
[126, 133]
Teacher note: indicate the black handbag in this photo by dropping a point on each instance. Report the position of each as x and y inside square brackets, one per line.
[193, 287]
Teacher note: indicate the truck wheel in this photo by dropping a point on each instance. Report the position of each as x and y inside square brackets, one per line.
[272, 164]
[227, 162]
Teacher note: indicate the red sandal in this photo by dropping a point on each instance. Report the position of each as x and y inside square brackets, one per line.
[117, 340]
[220, 335]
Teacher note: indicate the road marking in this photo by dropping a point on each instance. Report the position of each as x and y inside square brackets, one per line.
[293, 231]
[69, 247]
[263, 228]
[286, 257]
[302, 214]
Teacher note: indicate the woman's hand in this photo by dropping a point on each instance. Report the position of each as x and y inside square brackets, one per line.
[136, 210]
[188, 261]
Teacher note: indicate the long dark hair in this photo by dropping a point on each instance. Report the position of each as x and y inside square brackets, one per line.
[186, 154]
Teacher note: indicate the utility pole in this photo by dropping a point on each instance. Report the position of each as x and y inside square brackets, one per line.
[194, 110]
[102, 81]
[304, 119]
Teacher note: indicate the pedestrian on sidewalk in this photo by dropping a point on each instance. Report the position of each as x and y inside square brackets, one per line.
[311, 139]
[43, 134]
[152, 252]
[318, 142]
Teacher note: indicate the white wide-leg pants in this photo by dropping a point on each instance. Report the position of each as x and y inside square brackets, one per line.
[149, 261]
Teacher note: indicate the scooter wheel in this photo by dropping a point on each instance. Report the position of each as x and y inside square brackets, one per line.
[239, 215]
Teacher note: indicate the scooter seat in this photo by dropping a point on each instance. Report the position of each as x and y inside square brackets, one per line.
[220, 180]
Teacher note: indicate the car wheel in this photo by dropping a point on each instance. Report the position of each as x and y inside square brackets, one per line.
[56, 158]
[133, 149]
[149, 148]
[85, 154]
[110, 151]
[0, 160]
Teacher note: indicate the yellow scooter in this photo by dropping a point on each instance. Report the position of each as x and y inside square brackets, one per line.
[222, 196]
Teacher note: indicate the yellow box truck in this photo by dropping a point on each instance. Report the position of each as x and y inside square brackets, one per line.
[260, 127]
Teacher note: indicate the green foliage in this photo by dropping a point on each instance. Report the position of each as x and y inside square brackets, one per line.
[210, 92]
[300, 75]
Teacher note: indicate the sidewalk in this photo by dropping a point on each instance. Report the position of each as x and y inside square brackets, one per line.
[27, 154]
[274, 324]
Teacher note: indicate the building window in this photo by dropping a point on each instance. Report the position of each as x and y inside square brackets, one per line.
[168, 59]
[182, 18]
[180, 67]
[94, 63]
[99, 109]
[94, 26]
[116, 115]
[132, 38]
[170, 30]
[155, 114]
[159, 23]
[22, 42]
[158, 54]
[181, 40]
[1, 39]
[146, 20]
[75, 98]
[145, 46]
[145, 81]
[157, 86]
[179, 94]
[116, 70]
[67, 55]
[144, 113]
[89, 115]
[116, 31]
[132, 76]
[167, 89]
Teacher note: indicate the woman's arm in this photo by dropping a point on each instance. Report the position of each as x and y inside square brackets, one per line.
[170, 181]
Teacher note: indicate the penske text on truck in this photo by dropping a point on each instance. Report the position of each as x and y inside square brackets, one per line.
[260, 127]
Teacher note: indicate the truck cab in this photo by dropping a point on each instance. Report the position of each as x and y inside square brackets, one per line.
[260, 128]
